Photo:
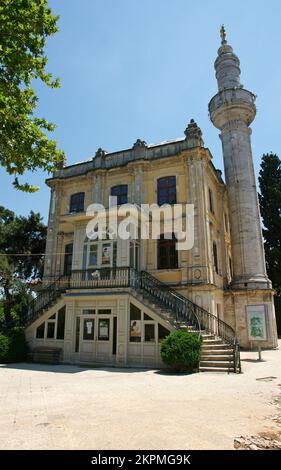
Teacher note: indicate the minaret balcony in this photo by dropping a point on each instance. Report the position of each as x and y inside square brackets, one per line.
[232, 104]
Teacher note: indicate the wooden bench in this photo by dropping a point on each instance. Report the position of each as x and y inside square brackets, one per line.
[46, 354]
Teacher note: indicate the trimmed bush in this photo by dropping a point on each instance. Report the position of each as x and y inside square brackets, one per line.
[181, 350]
[13, 347]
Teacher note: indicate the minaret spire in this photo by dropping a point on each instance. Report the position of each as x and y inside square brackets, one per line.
[223, 35]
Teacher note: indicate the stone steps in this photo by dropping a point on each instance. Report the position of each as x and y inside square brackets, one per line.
[217, 352]
[219, 364]
[216, 355]
[218, 346]
[216, 369]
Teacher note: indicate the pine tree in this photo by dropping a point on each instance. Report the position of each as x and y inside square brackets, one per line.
[270, 207]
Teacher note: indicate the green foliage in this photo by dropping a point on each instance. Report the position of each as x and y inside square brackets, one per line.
[13, 347]
[270, 207]
[26, 235]
[22, 240]
[24, 27]
[181, 350]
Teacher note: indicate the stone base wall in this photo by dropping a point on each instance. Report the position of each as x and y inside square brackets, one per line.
[235, 303]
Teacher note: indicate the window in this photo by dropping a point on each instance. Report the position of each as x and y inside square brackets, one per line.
[215, 256]
[167, 253]
[51, 330]
[93, 255]
[88, 312]
[162, 332]
[103, 329]
[149, 332]
[166, 190]
[104, 311]
[226, 222]
[88, 329]
[121, 192]
[211, 201]
[40, 332]
[134, 254]
[230, 267]
[68, 253]
[77, 202]
[61, 323]
[135, 324]
[135, 312]
[146, 317]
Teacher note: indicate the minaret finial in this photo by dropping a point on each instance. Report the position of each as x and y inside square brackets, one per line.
[223, 35]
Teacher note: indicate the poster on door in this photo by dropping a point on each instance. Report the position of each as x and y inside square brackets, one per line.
[256, 321]
[104, 329]
[106, 254]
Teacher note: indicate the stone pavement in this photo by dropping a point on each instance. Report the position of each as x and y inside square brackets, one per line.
[67, 407]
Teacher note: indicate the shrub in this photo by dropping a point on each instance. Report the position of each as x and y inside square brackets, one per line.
[13, 347]
[181, 350]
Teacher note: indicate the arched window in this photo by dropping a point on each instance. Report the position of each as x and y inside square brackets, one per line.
[167, 253]
[166, 190]
[121, 192]
[215, 256]
[77, 202]
[68, 253]
[211, 201]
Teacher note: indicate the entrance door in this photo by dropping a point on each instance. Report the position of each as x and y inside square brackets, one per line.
[97, 336]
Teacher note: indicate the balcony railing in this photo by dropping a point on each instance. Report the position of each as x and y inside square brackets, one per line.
[98, 278]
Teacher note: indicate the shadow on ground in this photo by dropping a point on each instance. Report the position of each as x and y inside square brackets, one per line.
[70, 369]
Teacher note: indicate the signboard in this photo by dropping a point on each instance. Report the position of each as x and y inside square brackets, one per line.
[104, 329]
[89, 326]
[135, 330]
[106, 253]
[256, 321]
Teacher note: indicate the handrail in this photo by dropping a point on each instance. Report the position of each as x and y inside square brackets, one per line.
[44, 298]
[207, 320]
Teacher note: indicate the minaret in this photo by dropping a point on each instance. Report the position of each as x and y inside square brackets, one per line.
[232, 110]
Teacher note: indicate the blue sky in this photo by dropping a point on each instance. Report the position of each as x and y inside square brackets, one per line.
[143, 68]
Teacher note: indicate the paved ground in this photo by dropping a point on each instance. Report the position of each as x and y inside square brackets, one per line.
[65, 407]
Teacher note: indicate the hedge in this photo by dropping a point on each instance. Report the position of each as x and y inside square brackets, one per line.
[181, 350]
[13, 347]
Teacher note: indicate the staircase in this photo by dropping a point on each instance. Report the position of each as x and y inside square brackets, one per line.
[216, 355]
[220, 349]
[46, 298]
[219, 354]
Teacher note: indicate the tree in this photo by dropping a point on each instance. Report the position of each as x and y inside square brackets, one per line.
[270, 206]
[24, 27]
[22, 244]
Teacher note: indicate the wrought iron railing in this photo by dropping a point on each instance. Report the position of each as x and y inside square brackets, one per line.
[44, 299]
[186, 310]
[97, 278]
[182, 309]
